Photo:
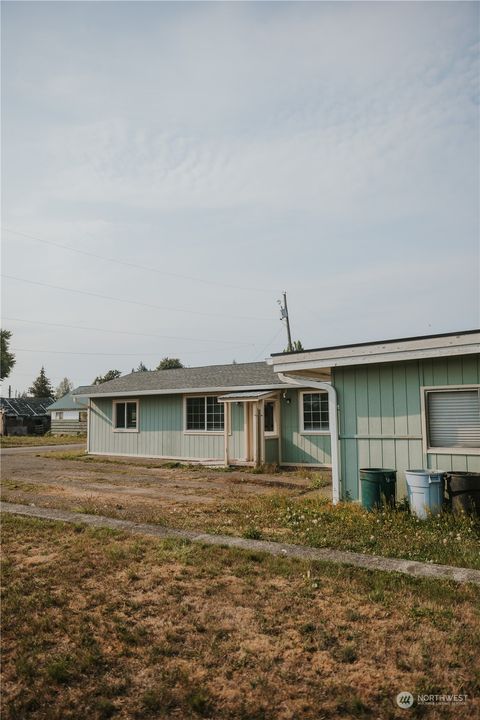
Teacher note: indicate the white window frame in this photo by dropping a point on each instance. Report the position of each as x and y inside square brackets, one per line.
[114, 415]
[58, 415]
[276, 418]
[202, 432]
[427, 450]
[301, 393]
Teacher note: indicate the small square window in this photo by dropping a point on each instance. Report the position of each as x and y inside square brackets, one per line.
[314, 412]
[126, 415]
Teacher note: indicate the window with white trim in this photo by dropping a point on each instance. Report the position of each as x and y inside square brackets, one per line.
[126, 415]
[270, 417]
[58, 414]
[204, 414]
[453, 418]
[314, 412]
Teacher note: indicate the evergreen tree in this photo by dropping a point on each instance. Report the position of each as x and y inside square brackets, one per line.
[141, 368]
[296, 346]
[7, 359]
[110, 375]
[41, 387]
[169, 364]
[63, 388]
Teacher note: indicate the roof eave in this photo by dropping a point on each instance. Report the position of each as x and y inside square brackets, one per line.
[318, 363]
[182, 391]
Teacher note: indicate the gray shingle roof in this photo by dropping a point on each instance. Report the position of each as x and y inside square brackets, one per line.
[212, 377]
[67, 403]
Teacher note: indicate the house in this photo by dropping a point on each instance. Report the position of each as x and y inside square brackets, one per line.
[224, 414]
[24, 416]
[401, 404]
[68, 416]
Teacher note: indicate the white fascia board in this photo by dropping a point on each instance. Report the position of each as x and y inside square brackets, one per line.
[185, 391]
[368, 355]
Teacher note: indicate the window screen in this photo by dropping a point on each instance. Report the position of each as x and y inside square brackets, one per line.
[315, 411]
[453, 418]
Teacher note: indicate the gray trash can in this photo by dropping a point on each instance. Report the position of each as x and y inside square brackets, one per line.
[425, 492]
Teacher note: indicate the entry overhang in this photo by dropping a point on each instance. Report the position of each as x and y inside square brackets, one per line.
[246, 396]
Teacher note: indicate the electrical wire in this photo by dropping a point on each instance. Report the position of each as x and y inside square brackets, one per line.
[135, 265]
[133, 302]
[126, 332]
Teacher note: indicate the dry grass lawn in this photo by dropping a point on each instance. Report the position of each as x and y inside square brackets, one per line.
[12, 441]
[98, 624]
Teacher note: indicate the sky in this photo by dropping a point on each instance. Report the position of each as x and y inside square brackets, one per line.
[168, 169]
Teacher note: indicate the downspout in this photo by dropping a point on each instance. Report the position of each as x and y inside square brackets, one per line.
[300, 381]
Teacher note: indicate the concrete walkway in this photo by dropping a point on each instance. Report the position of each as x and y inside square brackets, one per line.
[27, 449]
[302, 552]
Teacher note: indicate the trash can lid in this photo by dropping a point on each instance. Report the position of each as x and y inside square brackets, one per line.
[425, 472]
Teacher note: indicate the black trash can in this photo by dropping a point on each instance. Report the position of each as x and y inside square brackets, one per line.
[463, 490]
[378, 487]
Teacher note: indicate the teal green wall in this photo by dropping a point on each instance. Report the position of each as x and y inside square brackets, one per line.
[380, 417]
[296, 447]
[236, 438]
[161, 432]
[271, 451]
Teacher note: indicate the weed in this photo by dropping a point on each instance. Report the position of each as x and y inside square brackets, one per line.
[252, 533]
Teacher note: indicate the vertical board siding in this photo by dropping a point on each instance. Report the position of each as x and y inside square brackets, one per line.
[271, 451]
[297, 447]
[380, 417]
[160, 432]
[236, 439]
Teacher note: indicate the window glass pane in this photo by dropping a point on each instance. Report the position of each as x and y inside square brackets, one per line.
[120, 415]
[131, 414]
[196, 413]
[269, 417]
[83, 416]
[214, 414]
[315, 411]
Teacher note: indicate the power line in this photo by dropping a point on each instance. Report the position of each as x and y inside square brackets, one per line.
[126, 332]
[132, 302]
[111, 354]
[134, 265]
[270, 342]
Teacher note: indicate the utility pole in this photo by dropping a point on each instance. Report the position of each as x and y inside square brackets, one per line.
[284, 316]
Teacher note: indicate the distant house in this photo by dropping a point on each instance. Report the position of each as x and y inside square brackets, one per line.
[68, 416]
[236, 414]
[24, 416]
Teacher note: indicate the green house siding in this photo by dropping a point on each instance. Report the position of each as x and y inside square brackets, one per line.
[380, 417]
[236, 439]
[297, 447]
[160, 432]
[271, 451]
